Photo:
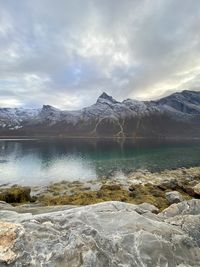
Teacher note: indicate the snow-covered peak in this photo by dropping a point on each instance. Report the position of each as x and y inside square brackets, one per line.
[184, 102]
[105, 98]
[49, 108]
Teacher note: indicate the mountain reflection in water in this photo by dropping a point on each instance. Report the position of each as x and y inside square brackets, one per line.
[35, 162]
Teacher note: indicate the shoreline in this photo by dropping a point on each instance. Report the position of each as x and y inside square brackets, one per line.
[97, 138]
[137, 187]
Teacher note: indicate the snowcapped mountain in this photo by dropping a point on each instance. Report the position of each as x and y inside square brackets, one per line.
[175, 116]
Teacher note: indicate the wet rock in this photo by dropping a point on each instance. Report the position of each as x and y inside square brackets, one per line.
[108, 234]
[16, 194]
[173, 197]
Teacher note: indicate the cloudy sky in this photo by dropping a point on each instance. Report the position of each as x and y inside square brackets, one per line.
[66, 52]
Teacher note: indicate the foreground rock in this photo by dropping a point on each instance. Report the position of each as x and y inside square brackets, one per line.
[8, 237]
[191, 207]
[185, 215]
[106, 234]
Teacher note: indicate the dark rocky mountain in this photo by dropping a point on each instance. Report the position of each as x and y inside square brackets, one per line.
[174, 116]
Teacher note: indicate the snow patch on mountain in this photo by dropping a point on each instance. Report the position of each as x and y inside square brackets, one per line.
[181, 106]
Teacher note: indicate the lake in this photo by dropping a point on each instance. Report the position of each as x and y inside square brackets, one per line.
[39, 162]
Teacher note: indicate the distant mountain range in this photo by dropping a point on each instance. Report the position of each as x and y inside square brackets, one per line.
[175, 116]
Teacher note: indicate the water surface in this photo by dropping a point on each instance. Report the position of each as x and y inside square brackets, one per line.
[35, 162]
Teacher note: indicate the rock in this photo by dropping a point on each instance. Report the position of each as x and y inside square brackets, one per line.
[190, 191]
[16, 194]
[189, 224]
[185, 215]
[36, 209]
[190, 207]
[196, 189]
[169, 184]
[4, 205]
[13, 216]
[9, 233]
[146, 207]
[108, 234]
[173, 197]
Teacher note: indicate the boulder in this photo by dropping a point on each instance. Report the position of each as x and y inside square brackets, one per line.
[107, 234]
[190, 207]
[16, 194]
[196, 189]
[173, 197]
[169, 184]
[186, 216]
[146, 207]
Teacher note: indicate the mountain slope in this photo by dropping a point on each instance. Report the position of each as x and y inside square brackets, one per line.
[175, 116]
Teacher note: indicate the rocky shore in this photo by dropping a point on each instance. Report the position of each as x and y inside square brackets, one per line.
[64, 224]
[159, 188]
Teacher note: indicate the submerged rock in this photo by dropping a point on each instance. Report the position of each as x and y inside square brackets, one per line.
[108, 234]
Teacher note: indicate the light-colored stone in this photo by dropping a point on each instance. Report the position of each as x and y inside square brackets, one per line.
[173, 197]
[190, 207]
[146, 207]
[185, 215]
[196, 189]
[108, 234]
[13, 216]
[4, 205]
[8, 237]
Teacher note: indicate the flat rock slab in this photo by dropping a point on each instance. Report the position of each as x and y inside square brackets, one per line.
[102, 235]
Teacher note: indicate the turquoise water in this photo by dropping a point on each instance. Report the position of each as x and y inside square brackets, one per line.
[35, 162]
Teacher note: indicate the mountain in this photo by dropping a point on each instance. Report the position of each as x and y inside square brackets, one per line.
[174, 116]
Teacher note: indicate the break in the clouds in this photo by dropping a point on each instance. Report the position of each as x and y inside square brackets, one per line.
[66, 52]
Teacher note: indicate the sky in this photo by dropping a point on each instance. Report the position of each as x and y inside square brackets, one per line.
[65, 53]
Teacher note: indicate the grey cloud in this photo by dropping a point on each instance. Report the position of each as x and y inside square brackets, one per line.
[66, 53]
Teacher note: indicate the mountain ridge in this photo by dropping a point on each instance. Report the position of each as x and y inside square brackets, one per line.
[173, 116]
